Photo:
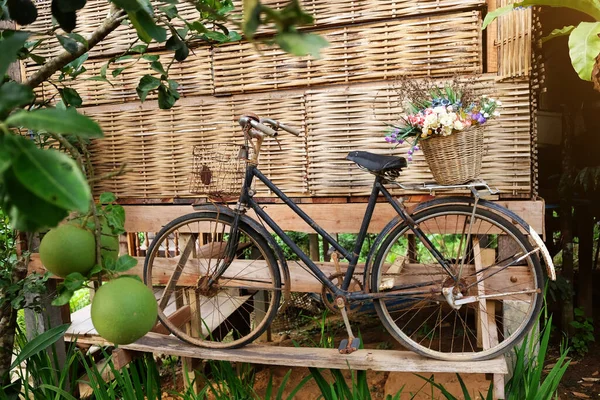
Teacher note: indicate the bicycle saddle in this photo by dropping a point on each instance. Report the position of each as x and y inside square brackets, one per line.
[377, 162]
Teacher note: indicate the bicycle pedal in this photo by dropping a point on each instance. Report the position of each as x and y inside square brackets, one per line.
[349, 347]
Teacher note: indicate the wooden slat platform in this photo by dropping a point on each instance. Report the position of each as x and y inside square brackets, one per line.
[368, 359]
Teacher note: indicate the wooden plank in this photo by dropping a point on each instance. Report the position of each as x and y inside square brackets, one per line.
[491, 41]
[483, 327]
[179, 318]
[366, 359]
[334, 218]
[256, 275]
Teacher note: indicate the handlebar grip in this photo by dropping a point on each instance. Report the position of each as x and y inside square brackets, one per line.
[289, 129]
[245, 120]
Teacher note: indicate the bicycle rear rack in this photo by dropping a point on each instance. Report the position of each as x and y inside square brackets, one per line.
[479, 188]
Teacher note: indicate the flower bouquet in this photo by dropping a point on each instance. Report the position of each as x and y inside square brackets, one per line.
[447, 124]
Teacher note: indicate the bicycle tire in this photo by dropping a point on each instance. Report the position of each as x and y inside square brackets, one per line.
[408, 334]
[238, 307]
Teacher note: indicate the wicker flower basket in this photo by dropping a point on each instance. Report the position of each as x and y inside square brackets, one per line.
[456, 158]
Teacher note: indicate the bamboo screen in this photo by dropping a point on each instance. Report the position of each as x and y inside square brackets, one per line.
[340, 102]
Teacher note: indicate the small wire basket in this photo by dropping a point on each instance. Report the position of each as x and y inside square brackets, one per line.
[218, 170]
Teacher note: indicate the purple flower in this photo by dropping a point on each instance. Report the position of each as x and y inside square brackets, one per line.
[481, 119]
[410, 152]
[409, 158]
[389, 139]
[401, 141]
[416, 148]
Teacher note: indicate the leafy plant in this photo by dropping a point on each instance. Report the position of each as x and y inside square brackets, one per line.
[339, 388]
[584, 43]
[36, 371]
[526, 382]
[584, 332]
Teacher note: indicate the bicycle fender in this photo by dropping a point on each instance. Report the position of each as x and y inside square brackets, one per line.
[259, 229]
[510, 215]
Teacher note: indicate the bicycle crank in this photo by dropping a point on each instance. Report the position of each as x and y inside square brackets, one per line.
[351, 344]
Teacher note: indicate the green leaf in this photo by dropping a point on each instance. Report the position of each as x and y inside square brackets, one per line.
[40, 343]
[140, 48]
[166, 97]
[57, 121]
[68, 44]
[13, 95]
[53, 177]
[117, 71]
[96, 269]
[115, 217]
[173, 43]
[150, 57]
[148, 82]
[216, 36]
[584, 47]
[12, 42]
[234, 36]
[251, 22]
[182, 53]
[301, 44]
[158, 67]
[74, 281]
[170, 11]
[71, 97]
[566, 31]
[125, 263]
[107, 198]
[491, 16]
[78, 38]
[146, 27]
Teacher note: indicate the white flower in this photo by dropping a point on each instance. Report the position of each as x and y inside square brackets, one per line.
[431, 120]
[496, 113]
[450, 108]
[486, 115]
[440, 110]
[484, 96]
[492, 100]
[498, 102]
[458, 125]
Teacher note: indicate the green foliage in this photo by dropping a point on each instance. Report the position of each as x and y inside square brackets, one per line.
[358, 389]
[583, 333]
[13, 293]
[114, 215]
[38, 373]
[584, 42]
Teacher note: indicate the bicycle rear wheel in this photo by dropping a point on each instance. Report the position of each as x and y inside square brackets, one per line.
[181, 265]
[500, 285]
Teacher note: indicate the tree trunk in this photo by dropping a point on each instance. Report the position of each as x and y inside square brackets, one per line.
[585, 224]
[8, 323]
[565, 191]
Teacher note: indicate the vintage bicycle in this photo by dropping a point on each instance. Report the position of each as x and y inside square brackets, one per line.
[458, 278]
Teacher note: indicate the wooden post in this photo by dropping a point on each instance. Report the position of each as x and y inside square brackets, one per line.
[313, 246]
[487, 332]
[491, 60]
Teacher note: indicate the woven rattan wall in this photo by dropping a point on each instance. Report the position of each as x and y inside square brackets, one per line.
[340, 102]
[336, 120]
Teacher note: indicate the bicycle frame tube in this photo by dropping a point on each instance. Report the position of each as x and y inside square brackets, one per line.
[414, 227]
[351, 257]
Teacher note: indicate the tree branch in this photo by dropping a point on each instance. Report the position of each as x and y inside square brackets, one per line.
[110, 24]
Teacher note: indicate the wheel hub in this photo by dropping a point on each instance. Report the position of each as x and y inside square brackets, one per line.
[205, 288]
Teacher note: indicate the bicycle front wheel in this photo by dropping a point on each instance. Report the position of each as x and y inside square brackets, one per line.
[204, 297]
[490, 307]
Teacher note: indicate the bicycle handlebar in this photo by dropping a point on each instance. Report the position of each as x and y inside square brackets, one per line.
[245, 120]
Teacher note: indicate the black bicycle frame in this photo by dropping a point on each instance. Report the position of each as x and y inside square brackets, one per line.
[247, 200]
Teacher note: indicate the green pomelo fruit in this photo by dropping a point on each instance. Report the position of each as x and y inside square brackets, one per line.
[124, 310]
[109, 241]
[67, 249]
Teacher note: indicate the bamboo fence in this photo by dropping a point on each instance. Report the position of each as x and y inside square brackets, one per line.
[340, 102]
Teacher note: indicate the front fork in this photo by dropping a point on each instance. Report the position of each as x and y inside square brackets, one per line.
[231, 248]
